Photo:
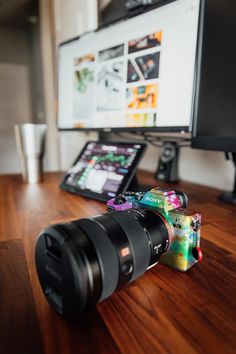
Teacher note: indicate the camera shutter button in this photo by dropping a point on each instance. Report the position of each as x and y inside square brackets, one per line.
[120, 199]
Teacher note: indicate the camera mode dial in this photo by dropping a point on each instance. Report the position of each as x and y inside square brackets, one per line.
[120, 199]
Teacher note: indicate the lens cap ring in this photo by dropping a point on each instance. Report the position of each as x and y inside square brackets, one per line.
[60, 268]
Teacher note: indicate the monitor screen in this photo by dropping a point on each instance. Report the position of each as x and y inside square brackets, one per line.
[103, 170]
[138, 73]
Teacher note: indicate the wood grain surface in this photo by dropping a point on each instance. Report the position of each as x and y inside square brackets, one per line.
[164, 311]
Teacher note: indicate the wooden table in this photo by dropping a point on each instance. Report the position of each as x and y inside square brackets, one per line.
[165, 311]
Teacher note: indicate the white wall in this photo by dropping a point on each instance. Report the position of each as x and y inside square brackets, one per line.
[73, 17]
[206, 167]
[15, 108]
[15, 93]
[21, 99]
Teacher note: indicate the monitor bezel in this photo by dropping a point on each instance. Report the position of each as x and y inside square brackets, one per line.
[125, 183]
[167, 129]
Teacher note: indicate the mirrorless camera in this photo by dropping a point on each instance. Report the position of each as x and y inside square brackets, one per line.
[83, 262]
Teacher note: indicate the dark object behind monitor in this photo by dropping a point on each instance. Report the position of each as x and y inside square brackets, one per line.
[117, 10]
[214, 111]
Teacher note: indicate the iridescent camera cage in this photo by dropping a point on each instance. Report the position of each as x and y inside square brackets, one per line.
[185, 225]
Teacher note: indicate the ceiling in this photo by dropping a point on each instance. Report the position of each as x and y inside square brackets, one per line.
[17, 13]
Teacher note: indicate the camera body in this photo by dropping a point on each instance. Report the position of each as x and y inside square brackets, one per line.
[184, 225]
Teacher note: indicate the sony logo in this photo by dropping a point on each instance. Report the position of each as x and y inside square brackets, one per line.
[152, 199]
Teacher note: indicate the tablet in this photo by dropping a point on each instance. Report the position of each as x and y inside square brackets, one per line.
[103, 169]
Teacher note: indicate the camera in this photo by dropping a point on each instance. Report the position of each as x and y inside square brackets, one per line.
[83, 262]
[183, 246]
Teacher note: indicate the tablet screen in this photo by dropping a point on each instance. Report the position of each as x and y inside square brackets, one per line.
[103, 170]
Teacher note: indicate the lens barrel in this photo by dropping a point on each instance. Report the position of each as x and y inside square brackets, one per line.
[83, 262]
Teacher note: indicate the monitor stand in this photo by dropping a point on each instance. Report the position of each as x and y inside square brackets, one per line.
[230, 197]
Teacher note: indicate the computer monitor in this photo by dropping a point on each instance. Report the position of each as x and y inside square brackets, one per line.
[134, 74]
[214, 125]
[215, 96]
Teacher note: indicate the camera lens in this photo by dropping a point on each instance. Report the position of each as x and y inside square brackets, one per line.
[83, 262]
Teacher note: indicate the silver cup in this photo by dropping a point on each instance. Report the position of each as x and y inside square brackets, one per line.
[30, 142]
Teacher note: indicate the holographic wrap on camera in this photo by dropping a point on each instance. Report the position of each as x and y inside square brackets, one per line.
[184, 250]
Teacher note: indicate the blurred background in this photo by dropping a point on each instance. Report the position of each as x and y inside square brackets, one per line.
[30, 32]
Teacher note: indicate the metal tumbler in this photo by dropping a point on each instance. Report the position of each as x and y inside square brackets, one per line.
[30, 142]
